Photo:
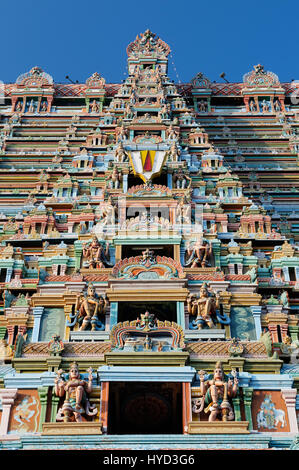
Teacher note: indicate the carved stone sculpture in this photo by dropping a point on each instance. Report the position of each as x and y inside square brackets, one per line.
[76, 391]
[95, 255]
[89, 308]
[217, 393]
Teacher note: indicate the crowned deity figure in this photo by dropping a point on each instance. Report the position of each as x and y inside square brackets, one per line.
[217, 392]
[252, 106]
[203, 307]
[90, 308]
[180, 179]
[120, 153]
[198, 254]
[106, 214]
[202, 106]
[95, 107]
[113, 179]
[174, 153]
[76, 391]
[95, 255]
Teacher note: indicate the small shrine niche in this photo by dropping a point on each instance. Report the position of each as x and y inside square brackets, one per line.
[95, 93]
[201, 92]
[211, 161]
[148, 54]
[33, 92]
[83, 161]
[262, 92]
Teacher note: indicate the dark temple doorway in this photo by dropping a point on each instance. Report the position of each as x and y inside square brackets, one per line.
[128, 311]
[145, 408]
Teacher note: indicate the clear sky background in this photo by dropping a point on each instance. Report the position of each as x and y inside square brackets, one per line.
[79, 37]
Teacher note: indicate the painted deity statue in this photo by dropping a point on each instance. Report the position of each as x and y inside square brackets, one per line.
[95, 254]
[113, 179]
[174, 153]
[95, 107]
[120, 154]
[181, 179]
[198, 254]
[89, 308]
[217, 392]
[204, 307]
[183, 212]
[76, 391]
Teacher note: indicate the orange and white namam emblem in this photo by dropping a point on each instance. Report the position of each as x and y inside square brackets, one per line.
[147, 163]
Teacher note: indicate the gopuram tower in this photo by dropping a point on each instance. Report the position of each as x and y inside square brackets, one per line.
[149, 260]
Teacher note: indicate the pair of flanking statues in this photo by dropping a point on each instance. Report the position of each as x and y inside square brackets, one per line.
[217, 391]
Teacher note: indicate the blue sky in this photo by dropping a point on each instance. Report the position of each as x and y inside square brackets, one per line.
[77, 38]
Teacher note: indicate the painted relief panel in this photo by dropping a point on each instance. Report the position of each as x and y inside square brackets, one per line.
[242, 324]
[25, 413]
[269, 412]
[52, 323]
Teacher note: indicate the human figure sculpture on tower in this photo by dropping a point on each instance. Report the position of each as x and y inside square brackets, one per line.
[95, 107]
[252, 106]
[204, 307]
[202, 106]
[95, 254]
[174, 153]
[120, 154]
[89, 308]
[198, 254]
[113, 179]
[181, 179]
[76, 391]
[217, 392]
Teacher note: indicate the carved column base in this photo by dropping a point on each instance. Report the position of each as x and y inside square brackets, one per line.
[218, 427]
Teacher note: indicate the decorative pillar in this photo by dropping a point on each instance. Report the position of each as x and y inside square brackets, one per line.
[247, 394]
[289, 396]
[104, 406]
[55, 401]
[237, 410]
[187, 410]
[2, 332]
[78, 252]
[125, 183]
[113, 313]
[294, 332]
[273, 330]
[8, 274]
[49, 101]
[180, 311]
[10, 332]
[43, 395]
[283, 331]
[169, 180]
[21, 330]
[176, 253]
[256, 311]
[117, 253]
[37, 313]
[68, 309]
[216, 247]
[182, 253]
[8, 396]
